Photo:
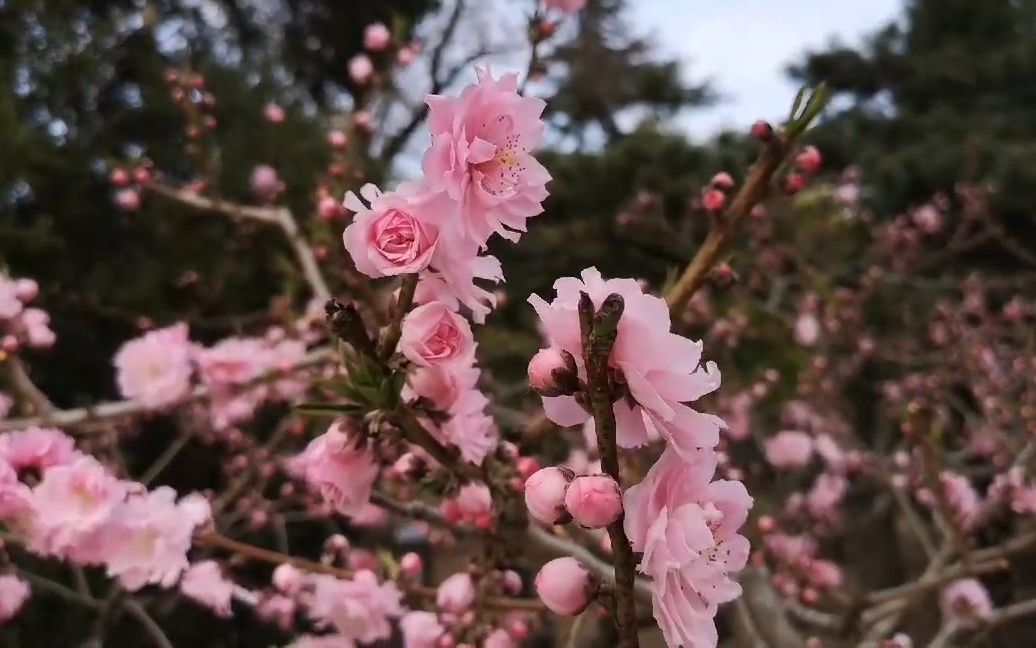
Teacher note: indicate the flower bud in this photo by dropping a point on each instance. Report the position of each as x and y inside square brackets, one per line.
[795, 183]
[722, 181]
[456, 593]
[119, 177]
[545, 494]
[411, 564]
[337, 139]
[287, 578]
[809, 160]
[714, 200]
[762, 131]
[565, 586]
[594, 501]
[26, 290]
[127, 199]
[552, 372]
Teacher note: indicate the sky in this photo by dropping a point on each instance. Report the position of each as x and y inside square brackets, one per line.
[743, 46]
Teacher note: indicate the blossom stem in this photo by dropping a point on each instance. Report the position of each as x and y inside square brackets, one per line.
[598, 331]
[404, 303]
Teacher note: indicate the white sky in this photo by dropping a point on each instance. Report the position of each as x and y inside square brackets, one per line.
[743, 46]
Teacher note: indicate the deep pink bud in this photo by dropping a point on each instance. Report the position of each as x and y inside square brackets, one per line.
[714, 200]
[552, 372]
[594, 501]
[337, 140]
[273, 113]
[142, 175]
[762, 131]
[565, 586]
[329, 208]
[794, 184]
[722, 181]
[809, 160]
[545, 494]
[527, 466]
[411, 564]
[119, 177]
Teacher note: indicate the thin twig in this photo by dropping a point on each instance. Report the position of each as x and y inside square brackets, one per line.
[137, 611]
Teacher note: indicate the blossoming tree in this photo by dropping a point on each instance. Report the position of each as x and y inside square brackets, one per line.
[369, 413]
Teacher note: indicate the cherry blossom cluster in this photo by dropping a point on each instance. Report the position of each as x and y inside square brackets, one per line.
[62, 503]
[22, 324]
[684, 523]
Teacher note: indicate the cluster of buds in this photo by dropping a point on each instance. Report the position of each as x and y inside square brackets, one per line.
[21, 325]
[128, 182]
[807, 164]
[554, 495]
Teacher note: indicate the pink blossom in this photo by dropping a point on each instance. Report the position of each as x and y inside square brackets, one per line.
[148, 537]
[824, 573]
[273, 113]
[714, 200]
[11, 304]
[566, 6]
[498, 638]
[473, 505]
[474, 434]
[564, 585]
[964, 500]
[965, 601]
[827, 493]
[789, 449]
[395, 235]
[661, 370]
[233, 361]
[420, 630]
[359, 609]
[809, 160]
[481, 156]
[456, 594]
[376, 37]
[928, 218]
[37, 328]
[807, 329]
[15, 497]
[340, 471]
[6, 404]
[545, 494]
[722, 181]
[686, 528]
[360, 69]
[27, 289]
[455, 266]
[287, 578]
[434, 335]
[337, 139]
[266, 184]
[449, 388]
[155, 369]
[205, 583]
[127, 199]
[37, 448]
[70, 505]
[594, 501]
[13, 594]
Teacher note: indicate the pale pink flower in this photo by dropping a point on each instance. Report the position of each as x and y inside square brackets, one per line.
[456, 594]
[205, 583]
[661, 370]
[359, 609]
[545, 494]
[335, 467]
[322, 641]
[287, 578]
[963, 499]
[481, 156]
[789, 449]
[564, 585]
[36, 323]
[474, 434]
[827, 493]
[449, 388]
[71, 504]
[421, 630]
[928, 218]
[11, 304]
[6, 404]
[233, 361]
[824, 573]
[376, 37]
[739, 416]
[686, 528]
[149, 535]
[155, 369]
[451, 277]
[395, 234]
[37, 448]
[127, 199]
[965, 602]
[13, 594]
[545, 369]
[15, 496]
[266, 184]
[807, 329]
[499, 638]
[594, 501]
[809, 160]
[435, 335]
[360, 69]
[566, 6]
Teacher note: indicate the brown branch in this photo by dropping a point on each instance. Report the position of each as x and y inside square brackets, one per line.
[598, 332]
[279, 216]
[405, 301]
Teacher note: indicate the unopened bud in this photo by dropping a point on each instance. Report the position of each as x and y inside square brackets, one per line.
[594, 501]
[762, 131]
[565, 586]
[552, 372]
[545, 494]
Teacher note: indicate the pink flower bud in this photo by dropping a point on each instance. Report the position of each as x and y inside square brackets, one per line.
[9, 344]
[119, 177]
[127, 199]
[722, 181]
[594, 501]
[512, 582]
[565, 586]
[329, 208]
[795, 183]
[456, 593]
[411, 564]
[360, 69]
[26, 290]
[406, 56]
[142, 175]
[337, 140]
[714, 200]
[762, 131]
[527, 466]
[552, 372]
[287, 578]
[809, 160]
[273, 113]
[376, 37]
[545, 494]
